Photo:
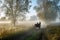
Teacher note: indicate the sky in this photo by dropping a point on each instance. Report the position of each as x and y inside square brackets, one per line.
[1, 11]
[32, 11]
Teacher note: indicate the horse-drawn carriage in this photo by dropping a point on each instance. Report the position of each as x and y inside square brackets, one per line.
[38, 25]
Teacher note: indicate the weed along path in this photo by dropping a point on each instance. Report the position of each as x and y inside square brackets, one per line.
[23, 32]
[27, 33]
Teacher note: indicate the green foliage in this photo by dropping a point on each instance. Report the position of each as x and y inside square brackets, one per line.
[47, 8]
[17, 5]
[15, 8]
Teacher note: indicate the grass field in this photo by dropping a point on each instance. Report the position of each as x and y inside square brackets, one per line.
[6, 29]
[51, 32]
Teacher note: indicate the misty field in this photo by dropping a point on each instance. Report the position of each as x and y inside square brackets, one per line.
[7, 29]
[27, 31]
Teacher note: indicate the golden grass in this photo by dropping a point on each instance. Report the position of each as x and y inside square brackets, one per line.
[6, 29]
[53, 32]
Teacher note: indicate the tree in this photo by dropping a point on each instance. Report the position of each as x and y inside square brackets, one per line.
[47, 9]
[15, 7]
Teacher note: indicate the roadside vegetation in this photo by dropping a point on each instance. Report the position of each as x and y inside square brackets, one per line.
[53, 32]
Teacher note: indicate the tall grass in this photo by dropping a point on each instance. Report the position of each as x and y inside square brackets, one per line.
[53, 32]
[7, 29]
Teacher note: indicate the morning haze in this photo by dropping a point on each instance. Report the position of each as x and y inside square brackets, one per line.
[29, 19]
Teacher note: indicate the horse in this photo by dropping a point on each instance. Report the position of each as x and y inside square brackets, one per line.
[38, 25]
